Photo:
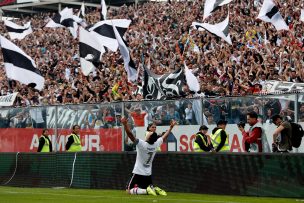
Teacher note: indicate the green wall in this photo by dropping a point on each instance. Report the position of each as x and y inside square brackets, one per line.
[278, 175]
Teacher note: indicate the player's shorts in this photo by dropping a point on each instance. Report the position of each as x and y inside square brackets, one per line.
[139, 181]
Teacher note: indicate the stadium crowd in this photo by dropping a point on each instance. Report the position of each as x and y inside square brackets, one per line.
[160, 35]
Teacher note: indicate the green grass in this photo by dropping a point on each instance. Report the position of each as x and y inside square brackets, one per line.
[50, 195]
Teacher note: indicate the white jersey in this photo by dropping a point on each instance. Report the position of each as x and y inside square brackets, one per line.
[145, 156]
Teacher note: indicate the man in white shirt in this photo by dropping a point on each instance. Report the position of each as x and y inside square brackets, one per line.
[141, 180]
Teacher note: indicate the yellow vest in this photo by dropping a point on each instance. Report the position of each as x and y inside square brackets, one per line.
[76, 146]
[46, 146]
[196, 147]
[216, 140]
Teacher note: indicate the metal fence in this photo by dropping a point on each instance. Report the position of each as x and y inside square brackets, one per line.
[105, 118]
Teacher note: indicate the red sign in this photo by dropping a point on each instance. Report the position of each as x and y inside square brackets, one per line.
[6, 2]
[27, 139]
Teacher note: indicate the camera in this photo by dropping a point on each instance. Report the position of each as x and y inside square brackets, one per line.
[241, 124]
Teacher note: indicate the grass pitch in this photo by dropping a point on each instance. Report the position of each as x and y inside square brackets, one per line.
[50, 195]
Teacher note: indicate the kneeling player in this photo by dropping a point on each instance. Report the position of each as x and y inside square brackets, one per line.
[141, 180]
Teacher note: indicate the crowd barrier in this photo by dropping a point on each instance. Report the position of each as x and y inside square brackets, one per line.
[101, 130]
[275, 175]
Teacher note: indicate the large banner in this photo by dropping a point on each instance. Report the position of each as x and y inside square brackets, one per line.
[185, 135]
[6, 2]
[27, 139]
[8, 100]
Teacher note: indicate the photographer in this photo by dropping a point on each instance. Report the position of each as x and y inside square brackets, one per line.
[282, 135]
[252, 138]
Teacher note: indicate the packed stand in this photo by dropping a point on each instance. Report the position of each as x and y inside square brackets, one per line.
[157, 35]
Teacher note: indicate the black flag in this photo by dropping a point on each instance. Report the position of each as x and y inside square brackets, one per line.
[163, 86]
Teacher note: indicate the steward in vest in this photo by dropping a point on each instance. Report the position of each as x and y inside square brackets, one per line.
[219, 137]
[202, 141]
[74, 143]
[45, 144]
[252, 138]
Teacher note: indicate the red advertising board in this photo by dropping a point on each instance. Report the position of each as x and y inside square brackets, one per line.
[6, 2]
[27, 139]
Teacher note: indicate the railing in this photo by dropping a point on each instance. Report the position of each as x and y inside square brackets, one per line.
[20, 128]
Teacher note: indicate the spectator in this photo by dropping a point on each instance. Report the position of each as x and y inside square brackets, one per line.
[138, 116]
[221, 69]
[189, 115]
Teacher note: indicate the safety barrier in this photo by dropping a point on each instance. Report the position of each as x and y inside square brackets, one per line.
[276, 175]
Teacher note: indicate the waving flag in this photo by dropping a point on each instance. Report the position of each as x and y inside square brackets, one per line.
[105, 33]
[17, 31]
[90, 51]
[81, 13]
[19, 66]
[64, 19]
[270, 13]
[163, 86]
[221, 29]
[103, 10]
[212, 5]
[128, 62]
[192, 81]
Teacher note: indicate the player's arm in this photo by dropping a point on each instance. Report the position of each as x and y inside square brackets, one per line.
[124, 121]
[172, 124]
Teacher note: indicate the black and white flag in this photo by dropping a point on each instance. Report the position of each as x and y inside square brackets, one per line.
[270, 13]
[105, 33]
[19, 66]
[221, 29]
[64, 19]
[212, 5]
[163, 86]
[125, 52]
[103, 10]
[17, 31]
[90, 51]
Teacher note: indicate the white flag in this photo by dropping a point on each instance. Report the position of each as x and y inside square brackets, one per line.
[302, 15]
[103, 10]
[212, 5]
[81, 13]
[192, 81]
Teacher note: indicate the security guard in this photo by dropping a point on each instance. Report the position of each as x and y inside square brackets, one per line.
[45, 144]
[220, 138]
[202, 141]
[74, 143]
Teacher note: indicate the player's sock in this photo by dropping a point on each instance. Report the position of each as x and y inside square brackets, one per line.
[138, 191]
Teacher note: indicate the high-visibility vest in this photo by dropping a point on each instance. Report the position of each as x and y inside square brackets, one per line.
[76, 146]
[216, 140]
[46, 146]
[196, 147]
